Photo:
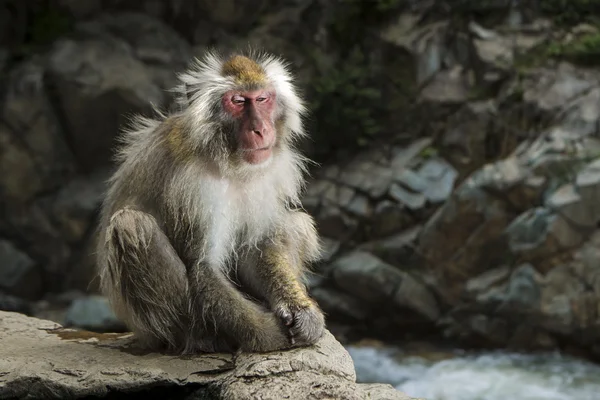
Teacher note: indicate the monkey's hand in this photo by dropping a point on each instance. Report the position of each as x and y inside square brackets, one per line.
[305, 322]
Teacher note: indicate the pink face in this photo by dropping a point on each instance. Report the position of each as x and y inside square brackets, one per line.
[254, 112]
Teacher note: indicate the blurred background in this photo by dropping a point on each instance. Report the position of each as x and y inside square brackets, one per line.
[459, 151]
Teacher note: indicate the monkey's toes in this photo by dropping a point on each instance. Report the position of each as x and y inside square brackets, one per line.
[307, 326]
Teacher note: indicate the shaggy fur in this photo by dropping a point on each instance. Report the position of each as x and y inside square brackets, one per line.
[190, 236]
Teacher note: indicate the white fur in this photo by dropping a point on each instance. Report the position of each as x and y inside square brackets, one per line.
[235, 215]
[238, 210]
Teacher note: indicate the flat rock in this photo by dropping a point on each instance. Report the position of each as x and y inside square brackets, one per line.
[41, 360]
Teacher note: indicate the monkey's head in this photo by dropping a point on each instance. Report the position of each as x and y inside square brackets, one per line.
[243, 109]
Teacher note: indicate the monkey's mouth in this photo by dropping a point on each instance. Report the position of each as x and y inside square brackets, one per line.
[257, 156]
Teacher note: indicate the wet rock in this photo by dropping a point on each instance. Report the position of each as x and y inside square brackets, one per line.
[19, 274]
[93, 313]
[99, 77]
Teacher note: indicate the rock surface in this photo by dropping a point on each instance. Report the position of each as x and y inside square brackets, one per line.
[41, 360]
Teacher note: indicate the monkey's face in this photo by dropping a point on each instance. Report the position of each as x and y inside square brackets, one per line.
[253, 129]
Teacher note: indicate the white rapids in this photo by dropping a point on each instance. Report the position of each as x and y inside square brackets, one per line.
[482, 376]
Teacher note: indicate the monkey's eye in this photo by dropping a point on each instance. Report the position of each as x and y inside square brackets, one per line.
[237, 100]
[261, 99]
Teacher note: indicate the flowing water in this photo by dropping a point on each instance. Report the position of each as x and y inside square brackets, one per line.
[482, 376]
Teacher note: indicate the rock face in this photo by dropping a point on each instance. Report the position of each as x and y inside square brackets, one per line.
[59, 116]
[498, 250]
[41, 360]
[504, 254]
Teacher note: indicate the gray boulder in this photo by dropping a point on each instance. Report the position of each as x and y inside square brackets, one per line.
[41, 360]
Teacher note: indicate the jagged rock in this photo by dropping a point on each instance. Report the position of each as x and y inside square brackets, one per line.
[37, 236]
[388, 217]
[379, 191]
[74, 207]
[41, 360]
[486, 280]
[451, 63]
[440, 177]
[45, 158]
[396, 248]
[19, 274]
[523, 292]
[464, 235]
[118, 65]
[342, 305]
[467, 132]
[375, 282]
[23, 182]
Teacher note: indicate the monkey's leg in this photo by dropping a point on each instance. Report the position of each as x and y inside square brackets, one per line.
[234, 321]
[275, 274]
[145, 279]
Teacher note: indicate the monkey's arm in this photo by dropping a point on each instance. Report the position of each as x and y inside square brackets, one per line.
[278, 273]
[164, 303]
[238, 322]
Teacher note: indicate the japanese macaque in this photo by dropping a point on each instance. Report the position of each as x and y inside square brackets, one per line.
[202, 245]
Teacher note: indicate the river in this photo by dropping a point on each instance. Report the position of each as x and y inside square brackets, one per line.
[479, 376]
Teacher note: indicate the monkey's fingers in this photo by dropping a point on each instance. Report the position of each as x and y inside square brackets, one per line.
[286, 317]
[307, 325]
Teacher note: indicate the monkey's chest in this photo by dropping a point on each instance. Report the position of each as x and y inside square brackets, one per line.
[236, 224]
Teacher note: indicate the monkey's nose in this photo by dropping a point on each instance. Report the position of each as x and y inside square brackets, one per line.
[257, 132]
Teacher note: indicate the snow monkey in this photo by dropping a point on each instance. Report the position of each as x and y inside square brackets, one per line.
[203, 245]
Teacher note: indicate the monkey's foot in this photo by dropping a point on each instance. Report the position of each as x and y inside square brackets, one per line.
[306, 324]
